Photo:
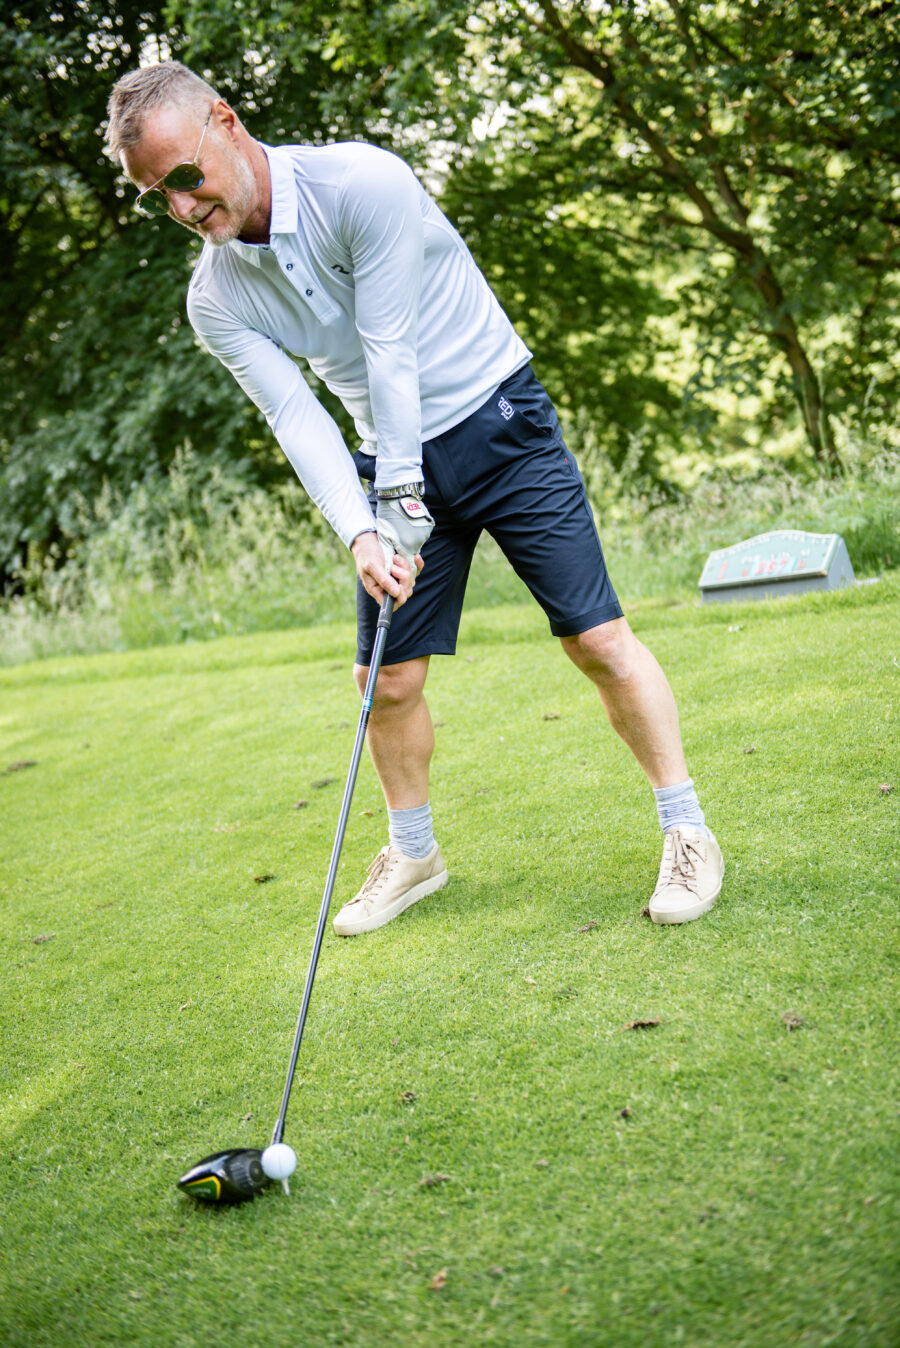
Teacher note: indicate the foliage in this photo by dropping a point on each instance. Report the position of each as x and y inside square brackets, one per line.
[763, 139]
[201, 554]
[195, 553]
[100, 378]
[689, 209]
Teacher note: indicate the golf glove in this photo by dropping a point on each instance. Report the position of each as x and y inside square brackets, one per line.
[403, 525]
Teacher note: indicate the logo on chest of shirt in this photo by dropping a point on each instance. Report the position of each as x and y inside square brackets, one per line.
[336, 266]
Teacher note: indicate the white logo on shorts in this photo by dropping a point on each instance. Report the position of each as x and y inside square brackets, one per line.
[506, 409]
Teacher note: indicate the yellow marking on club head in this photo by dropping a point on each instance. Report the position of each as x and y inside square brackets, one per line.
[208, 1186]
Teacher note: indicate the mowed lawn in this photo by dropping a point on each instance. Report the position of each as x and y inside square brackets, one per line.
[488, 1153]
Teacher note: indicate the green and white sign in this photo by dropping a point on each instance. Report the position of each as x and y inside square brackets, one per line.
[787, 561]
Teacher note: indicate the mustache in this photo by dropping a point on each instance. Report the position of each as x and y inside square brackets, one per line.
[202, 215]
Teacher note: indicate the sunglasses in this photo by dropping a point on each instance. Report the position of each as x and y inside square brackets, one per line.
[182, 178]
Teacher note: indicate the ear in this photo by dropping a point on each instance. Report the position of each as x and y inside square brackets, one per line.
[227, 118]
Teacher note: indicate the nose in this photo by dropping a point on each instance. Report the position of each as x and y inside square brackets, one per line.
[182, 205]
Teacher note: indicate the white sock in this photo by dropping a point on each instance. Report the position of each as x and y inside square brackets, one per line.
[412, 830]
[678, 807]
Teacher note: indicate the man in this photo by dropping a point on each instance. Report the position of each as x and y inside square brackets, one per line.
[336, 253]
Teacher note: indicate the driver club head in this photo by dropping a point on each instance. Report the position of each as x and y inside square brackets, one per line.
[233, 1176]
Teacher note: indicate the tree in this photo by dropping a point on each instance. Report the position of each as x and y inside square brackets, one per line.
[100, 378]
[772, 131]
[413, 77]
[624, 172]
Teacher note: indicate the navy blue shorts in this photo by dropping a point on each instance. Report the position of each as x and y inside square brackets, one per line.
[504, 469]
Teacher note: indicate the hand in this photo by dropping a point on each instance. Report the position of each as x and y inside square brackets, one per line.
[403, 525]
[376, 577]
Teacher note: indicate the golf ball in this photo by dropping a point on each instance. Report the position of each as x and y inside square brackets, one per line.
[279, 1161]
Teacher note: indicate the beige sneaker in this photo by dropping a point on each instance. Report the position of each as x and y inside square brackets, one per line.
[395, 882]
[690, 877]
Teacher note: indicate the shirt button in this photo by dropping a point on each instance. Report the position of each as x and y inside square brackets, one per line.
[309, 292]
[289, 267]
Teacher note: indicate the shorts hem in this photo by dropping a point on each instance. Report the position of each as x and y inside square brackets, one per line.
[413, 651]
[607, 613]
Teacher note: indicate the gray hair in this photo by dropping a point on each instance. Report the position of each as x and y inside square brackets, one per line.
[142, 91]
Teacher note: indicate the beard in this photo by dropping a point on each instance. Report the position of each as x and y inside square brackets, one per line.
[229, 215]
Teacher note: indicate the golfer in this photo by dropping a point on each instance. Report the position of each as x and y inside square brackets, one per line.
[336, 253]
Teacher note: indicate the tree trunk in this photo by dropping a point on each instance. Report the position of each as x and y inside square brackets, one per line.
[815, 414]
[807, 388]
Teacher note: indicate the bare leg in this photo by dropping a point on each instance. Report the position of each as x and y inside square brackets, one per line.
[637, 697]
[400, 735]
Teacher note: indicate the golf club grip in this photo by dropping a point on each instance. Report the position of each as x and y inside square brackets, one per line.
[381, 631]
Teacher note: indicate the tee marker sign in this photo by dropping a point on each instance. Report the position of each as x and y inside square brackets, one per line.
[787, 561]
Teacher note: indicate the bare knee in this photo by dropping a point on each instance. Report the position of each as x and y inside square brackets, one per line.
[399, 687]
[607, 653]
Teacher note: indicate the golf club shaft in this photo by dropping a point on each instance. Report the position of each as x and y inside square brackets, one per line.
[384, 622]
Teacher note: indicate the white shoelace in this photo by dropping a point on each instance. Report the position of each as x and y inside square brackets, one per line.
[377, 873]
[680, 860]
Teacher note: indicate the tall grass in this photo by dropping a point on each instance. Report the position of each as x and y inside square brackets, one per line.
[657, 544]
[191, 556]
[199, 554]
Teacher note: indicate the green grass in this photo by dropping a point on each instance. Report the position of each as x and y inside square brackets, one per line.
[749, 1197]
[196, 556]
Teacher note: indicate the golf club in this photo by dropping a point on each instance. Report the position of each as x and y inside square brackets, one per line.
[240, 1174]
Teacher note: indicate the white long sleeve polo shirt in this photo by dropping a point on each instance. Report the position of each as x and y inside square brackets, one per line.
[367, 279]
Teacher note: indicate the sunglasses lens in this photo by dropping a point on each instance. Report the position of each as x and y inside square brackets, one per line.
[153, 203]
[183, 178]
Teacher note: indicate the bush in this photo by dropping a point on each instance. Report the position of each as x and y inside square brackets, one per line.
[189, 555]
[657, 541]
[197, 553]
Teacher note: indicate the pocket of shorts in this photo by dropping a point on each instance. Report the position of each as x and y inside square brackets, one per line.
[541, 417]
[536, 421]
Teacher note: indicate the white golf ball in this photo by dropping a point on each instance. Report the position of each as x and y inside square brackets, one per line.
[279, 1161]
